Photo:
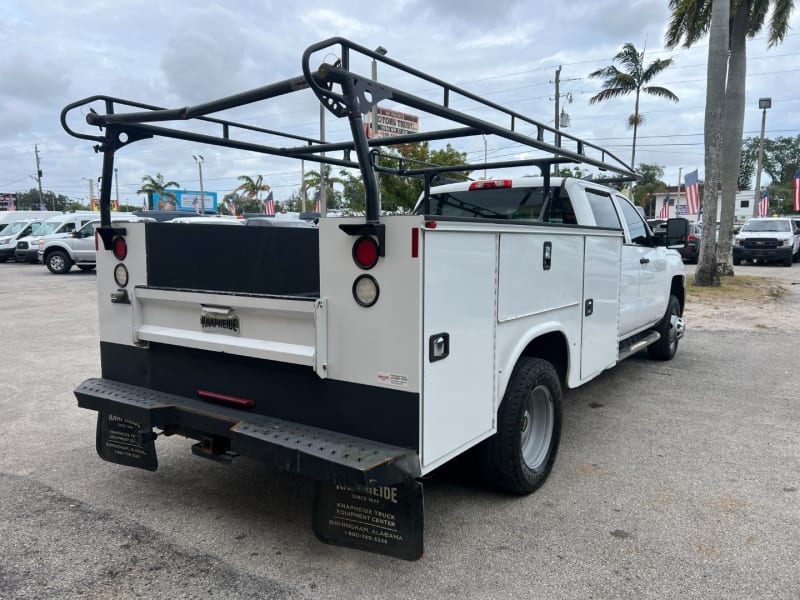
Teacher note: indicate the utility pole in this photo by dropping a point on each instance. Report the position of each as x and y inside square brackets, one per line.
[39, 179]
[302, 186]
[558, 103]
[116, 183]
[763, 104]
[382, 51]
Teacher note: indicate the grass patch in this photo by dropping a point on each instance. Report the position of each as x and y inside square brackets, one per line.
[737, 287]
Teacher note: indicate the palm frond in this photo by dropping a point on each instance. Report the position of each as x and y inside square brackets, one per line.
[690, 21]
[779, 25]
[609, 94]
[654, 68]
[660, 92]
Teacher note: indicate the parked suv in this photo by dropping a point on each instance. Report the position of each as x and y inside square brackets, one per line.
[63, 225]
[768, 239]
[79, 249]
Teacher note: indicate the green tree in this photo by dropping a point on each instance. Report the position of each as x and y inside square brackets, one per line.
[648, 185]
[243, 204]
[574, 171]
[633, 79]
[30, 200]
[313, 181]
[400, 193]
[251, 189]
[730, 25]
[156, 185]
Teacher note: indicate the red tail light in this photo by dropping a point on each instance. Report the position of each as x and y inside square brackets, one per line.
[365, 252]
[488, 184]
[119, 247]
[692, 237]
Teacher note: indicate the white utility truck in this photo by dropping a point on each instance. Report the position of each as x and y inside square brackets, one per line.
[368, 351]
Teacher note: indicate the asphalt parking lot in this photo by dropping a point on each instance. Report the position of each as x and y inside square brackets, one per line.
[674, 480]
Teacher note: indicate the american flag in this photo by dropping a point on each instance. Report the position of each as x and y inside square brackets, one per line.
[796, 205]
[11, 205]
[269, 205]
[692, 193]
[763, 205]
[196, 205]
[664, 214]
[317, 203]
[233, 207]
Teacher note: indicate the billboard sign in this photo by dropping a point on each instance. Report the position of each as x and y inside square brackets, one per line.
[393, 122]
[186, 200]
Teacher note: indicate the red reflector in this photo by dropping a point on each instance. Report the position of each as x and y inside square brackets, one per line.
[488, 184]
[225, 398]
[430, 224]
[414, 242]
[96, 243]
[119, 247]
[692, 237]
[365, 252]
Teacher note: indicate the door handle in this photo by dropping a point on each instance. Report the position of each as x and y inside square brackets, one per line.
[644, 261]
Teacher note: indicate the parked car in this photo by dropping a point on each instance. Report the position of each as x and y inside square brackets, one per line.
[79, 249]
[62, 225]
[769, 239]
[691, 251]
[15, 231]
[797, 233]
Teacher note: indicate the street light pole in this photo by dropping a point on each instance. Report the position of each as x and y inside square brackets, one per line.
[763, 104]
[199, 160]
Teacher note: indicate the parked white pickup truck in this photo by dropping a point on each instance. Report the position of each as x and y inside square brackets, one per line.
[368, 351]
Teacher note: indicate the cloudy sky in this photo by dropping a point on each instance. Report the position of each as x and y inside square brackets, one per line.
[173, 54]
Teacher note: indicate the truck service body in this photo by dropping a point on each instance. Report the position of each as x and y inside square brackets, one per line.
[375, 349]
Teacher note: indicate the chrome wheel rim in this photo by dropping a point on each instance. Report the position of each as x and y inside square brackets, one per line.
[57, 262]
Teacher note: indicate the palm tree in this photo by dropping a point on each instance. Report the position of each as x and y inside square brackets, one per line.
[252, 188]
[314, 181]
[156, 185]
[690, 21]
[632, 80]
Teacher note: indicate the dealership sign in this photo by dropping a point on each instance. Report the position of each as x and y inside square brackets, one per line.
[392, 122]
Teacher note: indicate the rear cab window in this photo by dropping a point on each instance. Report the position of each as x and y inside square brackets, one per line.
[507, 203]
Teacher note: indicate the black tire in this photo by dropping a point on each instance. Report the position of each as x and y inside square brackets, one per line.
[737, 262]
[667, 346]
[787, 262]
[520, 456]
[58, 262]
[86, 267]
[19, 259]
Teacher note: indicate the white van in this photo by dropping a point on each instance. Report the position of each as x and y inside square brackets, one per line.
[8, 216]
[61, 225]
[14, 231]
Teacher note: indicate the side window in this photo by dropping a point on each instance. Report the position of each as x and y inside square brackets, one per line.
[68, 227]
[605, 215]
[636, 226]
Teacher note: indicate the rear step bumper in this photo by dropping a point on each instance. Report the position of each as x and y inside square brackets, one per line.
[321, 454]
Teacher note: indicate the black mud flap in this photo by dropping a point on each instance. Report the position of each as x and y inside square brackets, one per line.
[125, 442]
[385, 520]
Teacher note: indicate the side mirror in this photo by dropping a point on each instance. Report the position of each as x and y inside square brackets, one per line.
[74, 234]
[677, 233]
